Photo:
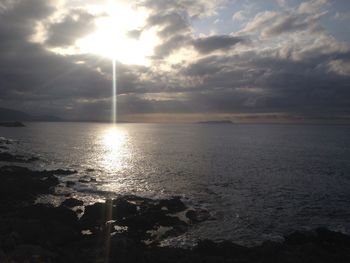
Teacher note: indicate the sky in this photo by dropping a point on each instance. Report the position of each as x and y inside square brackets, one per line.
[177, 60]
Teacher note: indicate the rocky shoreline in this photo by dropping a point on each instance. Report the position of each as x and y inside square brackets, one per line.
[126, 229]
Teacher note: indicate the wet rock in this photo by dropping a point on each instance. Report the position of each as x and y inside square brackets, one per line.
[72, 202]
[173, 205]
[123, 208]
[94, 216]
[98, 214]
[140, 218]
[87, 180]
[5, 141]
[19, 184]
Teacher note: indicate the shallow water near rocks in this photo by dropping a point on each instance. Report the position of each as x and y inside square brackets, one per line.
[258, 181]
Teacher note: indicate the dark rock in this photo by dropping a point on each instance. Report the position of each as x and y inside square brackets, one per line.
[79, 211]
[43, 224]
[9, 241]
[300, 237]
[19, 184]
[123, 208]
[326, 236]
[31, 254]
[225, 248]
[94, 216]
[47, 213]
[43, 233]
[174, 205]
[72, 202]
[140, 218]
[2, 256]
[87, 180]
[5, 141]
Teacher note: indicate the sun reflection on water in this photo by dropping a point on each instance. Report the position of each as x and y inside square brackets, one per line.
[115, 150]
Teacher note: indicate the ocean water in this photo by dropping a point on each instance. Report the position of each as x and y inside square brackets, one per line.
[258, 181]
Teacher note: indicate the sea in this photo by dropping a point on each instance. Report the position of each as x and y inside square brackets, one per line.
[258, 181]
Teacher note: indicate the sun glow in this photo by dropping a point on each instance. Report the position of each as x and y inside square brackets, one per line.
[111, 36]
[113, 138]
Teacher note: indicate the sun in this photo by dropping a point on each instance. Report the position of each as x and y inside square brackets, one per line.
[111, 38]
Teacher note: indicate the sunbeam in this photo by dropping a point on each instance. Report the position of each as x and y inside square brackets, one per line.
[114, 93]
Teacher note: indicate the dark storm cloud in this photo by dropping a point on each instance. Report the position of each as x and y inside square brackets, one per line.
[18, 20]
[209, 44]
[265, 84]
[170, 45]
[171, 23]
[74, 25]
[307, 75]
[174, 30]
[34, 79]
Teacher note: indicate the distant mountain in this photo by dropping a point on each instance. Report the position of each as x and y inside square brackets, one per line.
[14, 115]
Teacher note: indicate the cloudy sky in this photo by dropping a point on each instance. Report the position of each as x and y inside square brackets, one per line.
[177, 60]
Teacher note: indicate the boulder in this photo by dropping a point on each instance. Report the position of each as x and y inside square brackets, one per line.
[173, 205]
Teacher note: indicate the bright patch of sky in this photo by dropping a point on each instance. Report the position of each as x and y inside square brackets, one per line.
[234, 15]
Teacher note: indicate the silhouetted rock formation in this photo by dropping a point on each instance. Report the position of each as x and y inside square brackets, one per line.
[115, 231]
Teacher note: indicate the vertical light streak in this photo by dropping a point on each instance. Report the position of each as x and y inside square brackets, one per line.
[114, 95]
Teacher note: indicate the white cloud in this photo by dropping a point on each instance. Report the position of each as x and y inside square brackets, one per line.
[239, 16]
[340, 66]
[312, 6]
[260, 20]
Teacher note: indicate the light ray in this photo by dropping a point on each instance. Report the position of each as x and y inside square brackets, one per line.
[114, 93]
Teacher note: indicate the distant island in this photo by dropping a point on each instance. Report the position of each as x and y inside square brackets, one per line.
[12, 116]
[12, 124]
[216, 122]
